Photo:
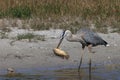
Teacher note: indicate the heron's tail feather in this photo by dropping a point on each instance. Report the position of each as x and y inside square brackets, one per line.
[105, 43]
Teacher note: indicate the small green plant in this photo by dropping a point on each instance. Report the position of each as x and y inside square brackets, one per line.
[2, 14]
[20, 12]
[40, 37]
[3, 35]
[30, 36]
[4, 32]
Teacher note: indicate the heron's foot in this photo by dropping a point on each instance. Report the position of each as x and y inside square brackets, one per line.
[78, 70]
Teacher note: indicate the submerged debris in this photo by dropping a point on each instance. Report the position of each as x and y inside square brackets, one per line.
[12, 73]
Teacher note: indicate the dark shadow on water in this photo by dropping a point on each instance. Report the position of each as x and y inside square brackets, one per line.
[108, 72]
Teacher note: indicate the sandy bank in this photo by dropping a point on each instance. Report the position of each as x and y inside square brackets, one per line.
[23, 54]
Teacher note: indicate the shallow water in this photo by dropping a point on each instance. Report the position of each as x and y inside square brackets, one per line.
[107, 72]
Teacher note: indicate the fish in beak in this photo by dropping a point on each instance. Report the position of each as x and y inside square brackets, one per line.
[61, 38]
[61, 53]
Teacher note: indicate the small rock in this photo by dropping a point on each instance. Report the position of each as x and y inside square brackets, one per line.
[10, 70]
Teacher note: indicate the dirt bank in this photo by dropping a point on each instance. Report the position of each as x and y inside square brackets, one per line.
[24, 54]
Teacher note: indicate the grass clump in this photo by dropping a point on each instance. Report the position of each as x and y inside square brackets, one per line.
[30, 37]
[3, 35]
[40, 37]
[4, 32]
[22, 12]
[25, 36]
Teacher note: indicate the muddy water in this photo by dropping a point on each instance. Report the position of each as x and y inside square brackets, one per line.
[107, 72]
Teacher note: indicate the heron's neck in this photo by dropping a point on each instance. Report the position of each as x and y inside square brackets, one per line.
[73, 38]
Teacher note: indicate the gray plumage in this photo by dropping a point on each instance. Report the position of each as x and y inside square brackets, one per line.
[86, 37]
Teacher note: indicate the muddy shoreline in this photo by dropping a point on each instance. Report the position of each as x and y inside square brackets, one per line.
[39, 55]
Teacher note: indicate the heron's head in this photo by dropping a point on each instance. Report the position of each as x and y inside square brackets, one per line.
[65, 33]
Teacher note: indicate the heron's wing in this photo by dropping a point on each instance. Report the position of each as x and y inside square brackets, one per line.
[91, 37]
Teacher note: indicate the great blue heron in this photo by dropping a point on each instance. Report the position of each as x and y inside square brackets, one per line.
[87, 38]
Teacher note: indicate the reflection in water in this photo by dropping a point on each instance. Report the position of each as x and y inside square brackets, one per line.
[109, 72]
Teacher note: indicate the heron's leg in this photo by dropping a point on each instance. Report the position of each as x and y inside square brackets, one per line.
[90, 61]
[90, 49]
[79, 67]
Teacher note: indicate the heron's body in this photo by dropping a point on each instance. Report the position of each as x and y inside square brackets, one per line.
[87, 38]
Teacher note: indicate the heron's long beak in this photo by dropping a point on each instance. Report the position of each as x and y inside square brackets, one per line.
[61, 39]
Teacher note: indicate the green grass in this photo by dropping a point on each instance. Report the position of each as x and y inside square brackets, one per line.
[30, 36]
[102, 13]
[88, 9]
[25, 36]
[22, 12]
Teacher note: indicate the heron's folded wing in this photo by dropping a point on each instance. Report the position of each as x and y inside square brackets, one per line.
[93, 38]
